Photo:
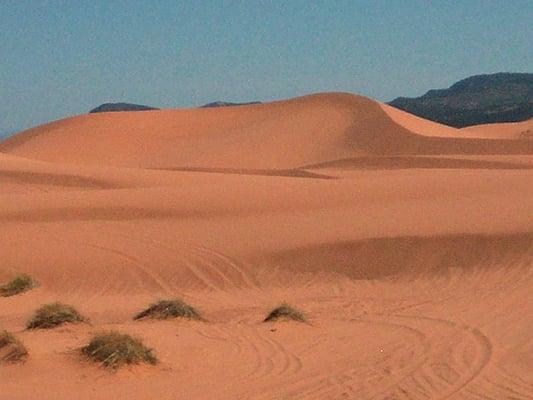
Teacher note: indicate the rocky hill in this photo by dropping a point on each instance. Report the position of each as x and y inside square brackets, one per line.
[114, 107]
[480, 99]
[227, 104]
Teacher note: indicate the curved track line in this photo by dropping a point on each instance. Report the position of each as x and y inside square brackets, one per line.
[463, 333]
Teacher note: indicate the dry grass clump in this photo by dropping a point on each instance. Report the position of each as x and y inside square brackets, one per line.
[19, 284]
[52, 315]
[114, 349]
[11, 349]
[166, 309]
[285, 312]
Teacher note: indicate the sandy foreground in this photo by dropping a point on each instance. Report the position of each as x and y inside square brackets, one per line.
[408, 244]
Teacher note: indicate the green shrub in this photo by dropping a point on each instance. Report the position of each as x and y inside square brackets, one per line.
[11, 349]
[285, 312]
[166, 309]
[52, 315]
[114, 349]
[19, 284]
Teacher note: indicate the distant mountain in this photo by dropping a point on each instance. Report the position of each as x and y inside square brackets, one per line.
[480, 99]
[227, 104]
[115, 107]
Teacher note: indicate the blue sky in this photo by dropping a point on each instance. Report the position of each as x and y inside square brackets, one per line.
[60, 58]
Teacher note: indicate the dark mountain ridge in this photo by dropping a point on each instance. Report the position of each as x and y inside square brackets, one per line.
[117, 107]
[227, 104]
[479, 99]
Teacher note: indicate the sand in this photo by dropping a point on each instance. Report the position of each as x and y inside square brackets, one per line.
[509, 130]
[408, 244]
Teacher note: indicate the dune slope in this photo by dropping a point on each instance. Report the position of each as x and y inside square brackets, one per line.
[509, 130]
[408, 245]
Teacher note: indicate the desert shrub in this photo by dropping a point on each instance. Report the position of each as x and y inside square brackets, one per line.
[11, 349]
[52, 315]
[19, 284]
[285, 312]
[166, 309]
[114, 349]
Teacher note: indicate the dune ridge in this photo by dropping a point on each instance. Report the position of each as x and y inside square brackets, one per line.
[407, 244]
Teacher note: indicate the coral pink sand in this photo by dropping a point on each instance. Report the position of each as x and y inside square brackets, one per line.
[408, 244]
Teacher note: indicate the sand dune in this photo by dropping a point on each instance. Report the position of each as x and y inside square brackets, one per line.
[408, 244]
[509, 130]
[280, 135]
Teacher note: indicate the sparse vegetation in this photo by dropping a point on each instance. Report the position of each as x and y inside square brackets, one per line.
[114, 349]
[52, 315]
[19, 284]
[166, 309]
[285, 312]
[11, 349]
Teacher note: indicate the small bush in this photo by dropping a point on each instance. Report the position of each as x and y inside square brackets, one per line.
[285, 312]
[11, 349]
[52, 315]
[114, 349]
[166, 309]
[19, 284]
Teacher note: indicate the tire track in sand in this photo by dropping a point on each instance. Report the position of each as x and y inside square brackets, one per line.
[447, 360]
[457, 356]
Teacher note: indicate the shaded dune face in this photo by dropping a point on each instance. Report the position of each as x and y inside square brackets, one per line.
[401, 257]
[406, 244]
